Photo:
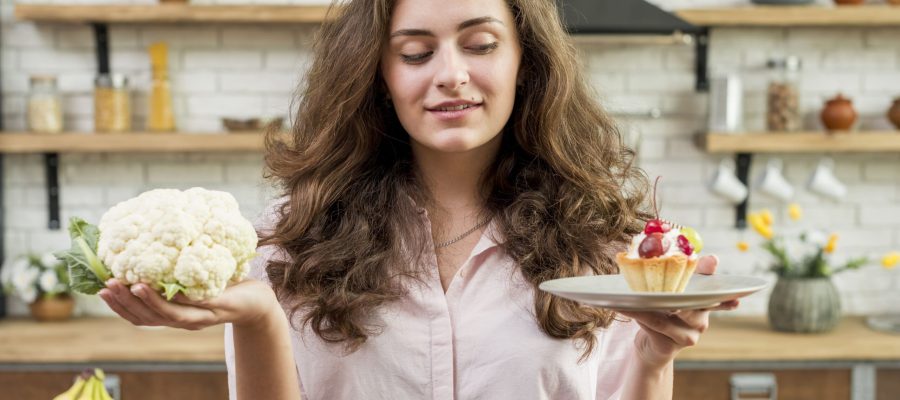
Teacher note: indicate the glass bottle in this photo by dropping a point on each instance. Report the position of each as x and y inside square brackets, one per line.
[112, 103]
[44, 105]
[782, 97]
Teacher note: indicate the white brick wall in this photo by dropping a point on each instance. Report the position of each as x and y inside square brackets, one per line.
[224, 70]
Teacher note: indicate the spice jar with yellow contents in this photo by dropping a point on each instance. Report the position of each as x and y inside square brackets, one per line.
[782, 97]
[112, 104]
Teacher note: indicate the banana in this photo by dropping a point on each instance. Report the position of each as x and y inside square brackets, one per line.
[99, 390]
[73, 391]
[87, 386]
[90, 388]
[103, 394]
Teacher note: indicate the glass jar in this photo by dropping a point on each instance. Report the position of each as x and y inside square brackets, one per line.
[782, 97]
[44, 105]
[112, 103]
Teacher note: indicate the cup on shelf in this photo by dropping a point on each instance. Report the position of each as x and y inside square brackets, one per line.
[726, 184]
[772, 182]
[824, 183]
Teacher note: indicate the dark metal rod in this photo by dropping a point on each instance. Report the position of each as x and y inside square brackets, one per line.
[101, 42]
[743, 162]
[702, 60]
[51, 165]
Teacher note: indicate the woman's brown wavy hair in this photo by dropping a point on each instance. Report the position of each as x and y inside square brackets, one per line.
[562, 189]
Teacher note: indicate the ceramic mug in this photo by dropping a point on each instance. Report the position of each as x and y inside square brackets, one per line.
[724, 183]
[773, 183]
[823, 182]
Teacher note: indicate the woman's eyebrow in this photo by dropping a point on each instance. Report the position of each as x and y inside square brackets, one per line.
[463, 25]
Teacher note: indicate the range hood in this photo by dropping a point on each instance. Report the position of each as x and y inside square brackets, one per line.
[622, 17]
[635, 19]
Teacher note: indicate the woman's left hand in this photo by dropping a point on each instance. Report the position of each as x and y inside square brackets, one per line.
[664, 334]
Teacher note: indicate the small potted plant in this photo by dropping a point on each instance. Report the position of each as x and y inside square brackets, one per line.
[42, 282]
[804, 298]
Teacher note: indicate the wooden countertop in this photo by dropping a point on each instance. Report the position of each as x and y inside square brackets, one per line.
[105, 340]
[751, 339]
[115, 340]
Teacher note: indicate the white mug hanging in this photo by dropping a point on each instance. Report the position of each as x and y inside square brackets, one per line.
[823, 182]
[773, 183]
[725, 184]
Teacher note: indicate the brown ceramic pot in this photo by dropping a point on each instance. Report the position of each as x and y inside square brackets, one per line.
[894, 113]
[56, 308]
[838, 114]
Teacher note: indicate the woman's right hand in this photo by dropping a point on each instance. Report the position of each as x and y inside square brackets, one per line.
[243, 303]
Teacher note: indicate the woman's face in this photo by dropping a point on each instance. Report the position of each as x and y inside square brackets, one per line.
[451, 69]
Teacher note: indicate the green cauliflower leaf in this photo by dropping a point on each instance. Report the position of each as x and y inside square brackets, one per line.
[87, 273]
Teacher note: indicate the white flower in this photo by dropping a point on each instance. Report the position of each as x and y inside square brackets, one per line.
[12, 269]
[49, 281]
[25, 279]
[816, 238]
[48, 260]
[29, 294]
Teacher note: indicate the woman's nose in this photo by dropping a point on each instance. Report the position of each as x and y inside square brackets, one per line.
[452, 72]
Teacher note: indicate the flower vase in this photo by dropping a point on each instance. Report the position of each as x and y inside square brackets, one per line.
[804, 305]
[54, 308]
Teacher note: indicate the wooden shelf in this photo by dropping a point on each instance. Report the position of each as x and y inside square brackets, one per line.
[802, 142]
[734, 339]
[91, 340]
[786, 16]
[793, 16]
[170, 13]
[137, 142]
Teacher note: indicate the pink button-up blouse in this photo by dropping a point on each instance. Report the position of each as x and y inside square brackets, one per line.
[479, 340]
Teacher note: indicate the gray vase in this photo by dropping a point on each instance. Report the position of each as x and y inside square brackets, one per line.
[806, 305]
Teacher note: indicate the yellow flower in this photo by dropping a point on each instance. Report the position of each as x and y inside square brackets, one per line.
[890, 260]
[743, 246]
[832, 243]
[795, 212]
[759, 225]
[766, 216]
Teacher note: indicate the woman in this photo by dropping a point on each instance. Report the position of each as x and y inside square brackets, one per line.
[447, 157]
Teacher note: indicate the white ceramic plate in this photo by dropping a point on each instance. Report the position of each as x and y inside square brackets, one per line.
[611, 291]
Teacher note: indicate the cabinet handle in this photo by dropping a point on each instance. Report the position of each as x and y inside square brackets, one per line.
[746, 386]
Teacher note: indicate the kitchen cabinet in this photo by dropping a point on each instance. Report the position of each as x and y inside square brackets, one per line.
[135, 384]
[852, 362]
[40, 360]
[830, 384]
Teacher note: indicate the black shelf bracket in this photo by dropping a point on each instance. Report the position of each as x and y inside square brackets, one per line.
[51, 169]
[701, 42]
[742, 162]
[101, 45]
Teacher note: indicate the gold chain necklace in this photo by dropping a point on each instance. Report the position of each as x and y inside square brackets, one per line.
[463, 235]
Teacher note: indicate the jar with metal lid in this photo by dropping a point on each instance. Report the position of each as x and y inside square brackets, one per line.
[44, 105]
[783, 95]
[112, 103]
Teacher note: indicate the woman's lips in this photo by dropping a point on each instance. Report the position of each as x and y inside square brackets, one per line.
[455, 114]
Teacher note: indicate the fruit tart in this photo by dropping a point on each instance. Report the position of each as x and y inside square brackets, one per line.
[662, 258]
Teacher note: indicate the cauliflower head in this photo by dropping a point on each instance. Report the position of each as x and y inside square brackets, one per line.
[195, 241]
